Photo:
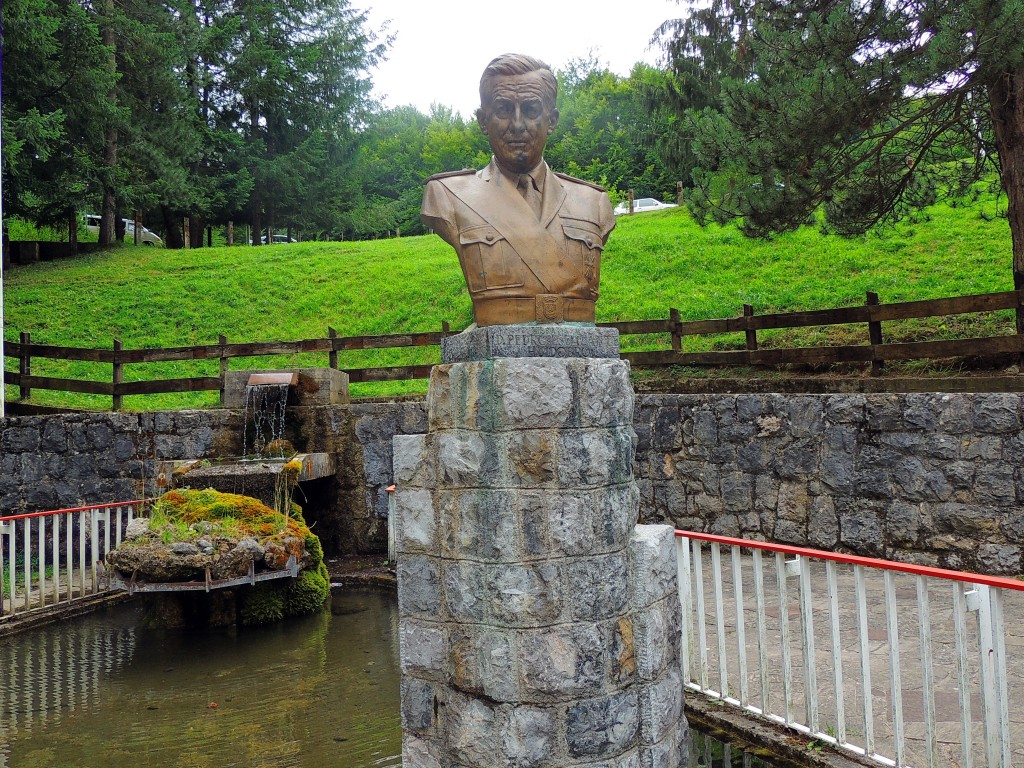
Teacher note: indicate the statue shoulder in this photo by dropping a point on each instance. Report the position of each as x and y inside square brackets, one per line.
[574, 180]
[450, 174]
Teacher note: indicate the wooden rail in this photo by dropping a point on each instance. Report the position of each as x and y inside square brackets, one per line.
[874, 352]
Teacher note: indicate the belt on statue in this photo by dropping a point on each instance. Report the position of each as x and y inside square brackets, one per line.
[544, 308]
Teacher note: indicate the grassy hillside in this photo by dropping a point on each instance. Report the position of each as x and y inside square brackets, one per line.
[153, 297]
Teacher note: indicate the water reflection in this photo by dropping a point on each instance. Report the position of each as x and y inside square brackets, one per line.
[316, 692]
[322, 691]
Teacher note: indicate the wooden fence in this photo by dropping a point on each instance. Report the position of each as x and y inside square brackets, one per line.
[874, 352]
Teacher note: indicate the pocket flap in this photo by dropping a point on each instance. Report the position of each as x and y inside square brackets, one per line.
[485, 234]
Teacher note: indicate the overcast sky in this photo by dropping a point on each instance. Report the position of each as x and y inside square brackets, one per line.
[442, 46]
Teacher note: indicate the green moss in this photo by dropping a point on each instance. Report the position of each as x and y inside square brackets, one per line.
[263, 604]
[315, 550]
[308, 592]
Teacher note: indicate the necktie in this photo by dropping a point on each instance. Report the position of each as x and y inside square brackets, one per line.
[529, 193]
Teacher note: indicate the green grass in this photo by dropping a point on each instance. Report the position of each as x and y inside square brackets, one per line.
[157, 297]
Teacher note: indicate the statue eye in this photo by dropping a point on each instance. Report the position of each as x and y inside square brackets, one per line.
[503, 110]
[532, 109]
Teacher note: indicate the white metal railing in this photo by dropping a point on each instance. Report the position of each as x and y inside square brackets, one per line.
[57, 556]
[874, 657]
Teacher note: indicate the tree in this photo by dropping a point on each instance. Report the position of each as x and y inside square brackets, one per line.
[54, 66]
[865, 108]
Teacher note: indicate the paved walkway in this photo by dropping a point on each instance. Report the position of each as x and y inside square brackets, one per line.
[946, 683]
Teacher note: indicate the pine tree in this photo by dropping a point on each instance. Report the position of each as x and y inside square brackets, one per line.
[865, 108]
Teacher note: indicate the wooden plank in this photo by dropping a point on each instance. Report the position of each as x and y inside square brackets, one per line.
[52, 352]
[811, 355]
[59, 385]
[838, 316]
[957, 305]
[395, 373]
[161, 386]
[428, 339]
[721, 325]
[920, 350]
[632, 327]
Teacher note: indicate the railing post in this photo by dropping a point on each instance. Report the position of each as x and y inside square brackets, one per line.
[332, 356]
[674, 323]
[25, 364]
[118, 377]
[223, 341]
[874, 334]
[391, 524]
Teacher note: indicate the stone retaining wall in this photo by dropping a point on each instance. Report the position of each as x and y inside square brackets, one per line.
[928, 478]
[933, 478]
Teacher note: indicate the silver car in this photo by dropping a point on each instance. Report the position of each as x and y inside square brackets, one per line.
[92, 224]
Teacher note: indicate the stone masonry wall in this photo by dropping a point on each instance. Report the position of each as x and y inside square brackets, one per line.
[936, 479]
[933, 478]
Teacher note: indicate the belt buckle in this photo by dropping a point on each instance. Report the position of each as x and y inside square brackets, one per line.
[550, 308]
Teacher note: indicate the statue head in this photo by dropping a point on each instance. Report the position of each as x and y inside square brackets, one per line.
[517, 110]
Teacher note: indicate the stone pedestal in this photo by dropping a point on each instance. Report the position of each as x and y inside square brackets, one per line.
[539, 623]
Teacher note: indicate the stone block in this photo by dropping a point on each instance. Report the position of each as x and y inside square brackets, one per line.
[602, 727]
[1000, 559]
[563, 662]
[671, 751]
[482, 661]
[622, 651]
[485, 526]
[19, 440]
[555, 340]
[419, 582]
[997, 413]
[656, 637]
[527, 737]
[595, 587]
[471, 730]
[422, 647]
[439, 399]
[462, 459]
[415, 521]
[661, 706]
[591, 458]
[417, 704]
[616, 510]
[652, 564]
[524, 595]
[531, 458]
[606, 394]
[420, 753]
[533, 393]
[413, 462]
[465, 591]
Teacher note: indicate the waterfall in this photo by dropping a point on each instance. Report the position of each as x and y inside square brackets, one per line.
[263, 430]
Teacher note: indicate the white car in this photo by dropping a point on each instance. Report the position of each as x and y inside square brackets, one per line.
[92, 224]
[642, 205]
[278, 239]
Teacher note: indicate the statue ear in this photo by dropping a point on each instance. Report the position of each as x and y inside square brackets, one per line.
[552, 120]
[481, 119]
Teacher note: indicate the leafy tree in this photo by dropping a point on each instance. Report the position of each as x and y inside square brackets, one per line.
[607, 132]
[866, 109]
[54, 67]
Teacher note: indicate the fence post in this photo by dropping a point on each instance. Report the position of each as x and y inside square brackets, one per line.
[186, 231]
[118, 375]
[332, 356]
[677, 338]
[446, 329]
[223, 340]
[751, 333]
[231, 233]
[874, 334]
[138, 227]
[25, 363]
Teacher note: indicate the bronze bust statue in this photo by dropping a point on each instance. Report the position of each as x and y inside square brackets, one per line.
[529, 240]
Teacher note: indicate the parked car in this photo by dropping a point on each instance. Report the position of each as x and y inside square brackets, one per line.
[642, 205]
[278, 239]
[92, 224]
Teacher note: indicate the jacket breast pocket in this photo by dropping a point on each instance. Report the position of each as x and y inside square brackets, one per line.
[585, 245]
[488, 259]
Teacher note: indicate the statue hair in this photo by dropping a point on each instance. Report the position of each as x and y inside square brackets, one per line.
[519, 64]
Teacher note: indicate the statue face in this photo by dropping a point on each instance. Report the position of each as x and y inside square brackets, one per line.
[517, 121]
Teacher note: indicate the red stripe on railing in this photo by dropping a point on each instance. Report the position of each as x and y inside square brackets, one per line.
[48, 513]
[872, 562]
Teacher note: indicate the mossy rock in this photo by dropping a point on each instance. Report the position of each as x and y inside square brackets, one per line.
[262, 604]
[308, 592]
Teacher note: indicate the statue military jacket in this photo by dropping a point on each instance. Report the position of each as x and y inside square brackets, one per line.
[505, 250]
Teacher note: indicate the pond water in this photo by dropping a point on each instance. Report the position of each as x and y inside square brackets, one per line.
[105, 692]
